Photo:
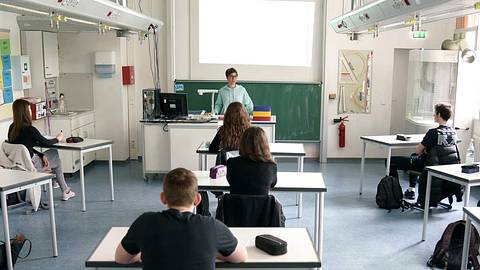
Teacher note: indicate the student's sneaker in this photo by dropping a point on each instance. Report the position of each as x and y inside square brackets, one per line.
[409, 194]
[55, 184]
[67, 196]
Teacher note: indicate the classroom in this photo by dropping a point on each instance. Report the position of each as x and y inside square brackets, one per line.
[264, 134]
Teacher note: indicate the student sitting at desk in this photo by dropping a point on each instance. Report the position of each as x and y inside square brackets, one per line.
[21, 131]
[176, 238]
[227, 139]
[232, 92]
[443, 138]
[254, 172]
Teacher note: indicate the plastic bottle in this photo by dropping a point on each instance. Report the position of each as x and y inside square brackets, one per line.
[470, 156]
[61, 106]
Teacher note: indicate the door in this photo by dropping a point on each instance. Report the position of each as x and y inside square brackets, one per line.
[50, 55]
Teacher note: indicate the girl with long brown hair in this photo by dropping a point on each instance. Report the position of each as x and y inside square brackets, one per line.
[254, 172]
[21, 131]
[235, 122]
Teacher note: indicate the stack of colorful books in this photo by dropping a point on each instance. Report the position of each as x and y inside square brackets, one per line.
[262, 113]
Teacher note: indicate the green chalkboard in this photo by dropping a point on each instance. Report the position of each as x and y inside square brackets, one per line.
[296, 105]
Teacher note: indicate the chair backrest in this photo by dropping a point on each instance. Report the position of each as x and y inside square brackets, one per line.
[18, 154]
[250, 211]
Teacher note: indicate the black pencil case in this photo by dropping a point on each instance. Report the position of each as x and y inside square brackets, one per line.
[473, 168]
[403, 137]
[271, 244]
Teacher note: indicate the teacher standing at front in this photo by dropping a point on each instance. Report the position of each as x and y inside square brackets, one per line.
[232, 92]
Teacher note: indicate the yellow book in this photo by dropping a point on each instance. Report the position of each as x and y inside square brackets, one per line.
[262, 114]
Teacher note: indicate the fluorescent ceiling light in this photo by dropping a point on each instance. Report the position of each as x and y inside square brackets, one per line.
[24, 9]
[104, 14]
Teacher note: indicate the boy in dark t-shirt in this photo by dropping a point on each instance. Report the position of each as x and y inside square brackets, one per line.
[176, 238]
[442, 135]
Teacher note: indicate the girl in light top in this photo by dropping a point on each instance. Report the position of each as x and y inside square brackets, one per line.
[232, 92]
[21, 131]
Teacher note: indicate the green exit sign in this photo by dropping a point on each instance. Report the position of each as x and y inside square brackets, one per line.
[420, 34]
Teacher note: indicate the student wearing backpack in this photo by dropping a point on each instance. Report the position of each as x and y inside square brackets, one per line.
[443, 138]
[177, 238]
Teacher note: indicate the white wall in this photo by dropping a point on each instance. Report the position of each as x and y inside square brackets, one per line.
[76, 55]
[143, 78]
[9, 21]
[379, 120]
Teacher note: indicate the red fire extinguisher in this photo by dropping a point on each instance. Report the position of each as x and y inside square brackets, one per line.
[341, 131]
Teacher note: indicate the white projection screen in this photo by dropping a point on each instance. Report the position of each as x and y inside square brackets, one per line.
[265, 40]
[256, 32]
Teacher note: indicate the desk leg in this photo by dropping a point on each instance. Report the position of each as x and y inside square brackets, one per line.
[389, 157]
[200, 162]
[110, 167]
[52, 219]
[6, 230]
[466, 244]
[82, 182]
[318, 234]
[205, 162]
[299, 195]
[466, 199]
[362, 166]
[427, 206]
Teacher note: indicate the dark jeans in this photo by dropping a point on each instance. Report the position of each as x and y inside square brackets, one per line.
[406, 163]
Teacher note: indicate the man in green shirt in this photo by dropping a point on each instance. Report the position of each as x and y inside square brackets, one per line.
[232, 92]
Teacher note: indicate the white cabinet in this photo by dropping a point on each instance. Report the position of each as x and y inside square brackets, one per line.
[42, 49]
[81, 124]
[170, 145]
[50, 55]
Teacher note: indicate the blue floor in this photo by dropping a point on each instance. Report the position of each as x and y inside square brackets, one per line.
[357, 234]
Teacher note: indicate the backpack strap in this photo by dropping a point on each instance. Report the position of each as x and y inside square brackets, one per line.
[458, 154]
[473, 247]
[447, 235]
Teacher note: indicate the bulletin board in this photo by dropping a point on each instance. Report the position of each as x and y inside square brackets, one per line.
[354, 81]
[6, 89]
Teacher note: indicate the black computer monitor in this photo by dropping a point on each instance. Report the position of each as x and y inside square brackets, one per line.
[173, 105]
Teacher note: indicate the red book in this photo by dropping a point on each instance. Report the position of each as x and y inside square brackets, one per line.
[267, 118]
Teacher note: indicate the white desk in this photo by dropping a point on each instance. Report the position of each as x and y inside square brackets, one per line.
[89, 145]
[12, 181]
[170, 144]
[473, 213]
[390, 142]
[301, 253]
[286, 181]
[289, 150]
[452, 173]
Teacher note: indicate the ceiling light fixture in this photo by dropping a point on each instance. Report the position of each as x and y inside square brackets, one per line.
[110, 15]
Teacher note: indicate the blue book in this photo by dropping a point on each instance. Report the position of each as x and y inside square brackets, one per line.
[262, 108]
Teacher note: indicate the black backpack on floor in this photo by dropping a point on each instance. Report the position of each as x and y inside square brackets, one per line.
[389, 193]
[448, 250]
